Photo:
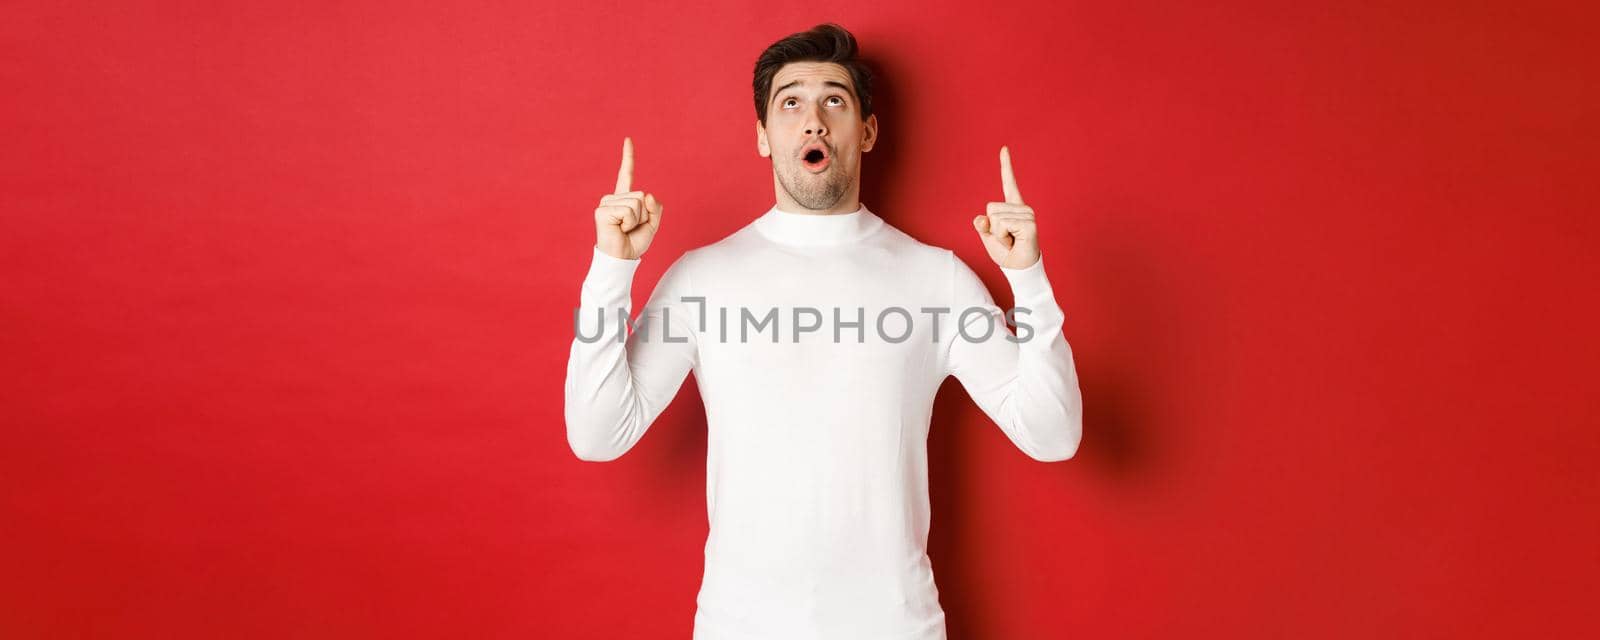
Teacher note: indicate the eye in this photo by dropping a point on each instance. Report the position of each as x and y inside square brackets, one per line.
[841, 100]
[786, 101]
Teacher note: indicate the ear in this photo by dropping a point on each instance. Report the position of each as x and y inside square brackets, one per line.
[871, 136]
[761, 141]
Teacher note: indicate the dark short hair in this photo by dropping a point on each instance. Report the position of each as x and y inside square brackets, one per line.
[823, 43]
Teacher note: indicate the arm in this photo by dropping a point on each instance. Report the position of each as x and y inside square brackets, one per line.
[1028, 384]
[1029, 388]
[618, 383]
[616, 386]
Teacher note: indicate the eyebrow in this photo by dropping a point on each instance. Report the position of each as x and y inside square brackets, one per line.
[826, 83]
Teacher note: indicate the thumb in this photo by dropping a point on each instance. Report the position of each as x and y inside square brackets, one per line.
[654, 208]
[990, 241]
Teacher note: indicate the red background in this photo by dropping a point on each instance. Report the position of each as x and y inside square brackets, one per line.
[287, 293]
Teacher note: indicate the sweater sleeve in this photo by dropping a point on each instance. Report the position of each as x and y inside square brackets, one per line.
[1026, 382]
[617, 386]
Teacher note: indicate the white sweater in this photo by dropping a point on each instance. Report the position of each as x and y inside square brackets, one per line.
[817, 466]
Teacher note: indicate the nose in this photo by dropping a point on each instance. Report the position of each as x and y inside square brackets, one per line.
[814, 126]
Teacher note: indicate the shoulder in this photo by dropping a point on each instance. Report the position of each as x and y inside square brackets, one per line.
[960, 282]
[949, 264]
[913, 251]
[710, 258]
[966, 285]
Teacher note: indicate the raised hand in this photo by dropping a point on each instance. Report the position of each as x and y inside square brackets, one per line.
[626, 220]
[1007, 228]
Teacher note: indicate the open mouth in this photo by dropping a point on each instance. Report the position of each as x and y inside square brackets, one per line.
[815, 158]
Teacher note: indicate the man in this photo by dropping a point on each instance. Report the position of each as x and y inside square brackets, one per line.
[816, 469]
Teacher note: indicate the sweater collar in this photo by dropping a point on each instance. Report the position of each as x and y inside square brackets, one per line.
[809, 229]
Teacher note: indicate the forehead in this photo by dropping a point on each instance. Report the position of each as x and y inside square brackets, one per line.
[811, 75]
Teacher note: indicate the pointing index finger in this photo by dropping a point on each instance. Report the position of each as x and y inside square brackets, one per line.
[1007, 180]
[625, 174]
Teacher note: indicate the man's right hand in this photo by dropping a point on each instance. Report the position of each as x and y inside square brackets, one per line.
[626, 220]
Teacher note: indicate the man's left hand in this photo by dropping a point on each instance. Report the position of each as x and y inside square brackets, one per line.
[1007, 229]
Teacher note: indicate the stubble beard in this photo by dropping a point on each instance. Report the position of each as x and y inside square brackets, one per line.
[816, 192]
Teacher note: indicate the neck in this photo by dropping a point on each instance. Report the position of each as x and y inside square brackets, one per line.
[813, 229]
